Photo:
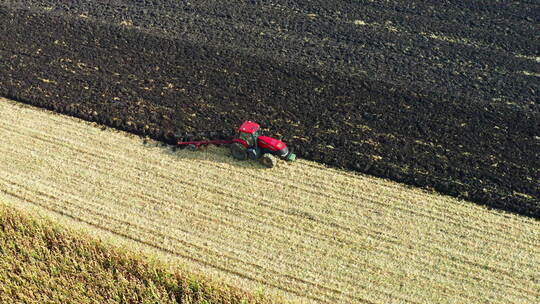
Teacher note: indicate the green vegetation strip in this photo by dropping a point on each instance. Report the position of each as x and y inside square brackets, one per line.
[42, 262]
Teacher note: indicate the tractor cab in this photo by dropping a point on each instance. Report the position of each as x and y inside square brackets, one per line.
[249, 132]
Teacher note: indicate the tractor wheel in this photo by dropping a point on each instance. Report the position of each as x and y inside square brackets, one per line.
[238, 151]
[191, 147]
[268, 160]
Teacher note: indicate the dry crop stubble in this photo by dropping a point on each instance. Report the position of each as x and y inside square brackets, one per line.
[301, 230]
[45, 263]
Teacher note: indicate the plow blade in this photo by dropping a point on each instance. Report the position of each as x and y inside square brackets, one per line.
[203, 135]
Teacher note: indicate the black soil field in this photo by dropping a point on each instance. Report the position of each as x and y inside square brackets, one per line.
[442, 95]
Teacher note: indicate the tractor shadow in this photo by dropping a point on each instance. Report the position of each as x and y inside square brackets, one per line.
[209, 153]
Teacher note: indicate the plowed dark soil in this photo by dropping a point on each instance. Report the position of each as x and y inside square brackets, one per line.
[434, 94]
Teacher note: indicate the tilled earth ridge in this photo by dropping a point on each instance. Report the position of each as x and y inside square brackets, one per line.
[148, 83]
[484, 50]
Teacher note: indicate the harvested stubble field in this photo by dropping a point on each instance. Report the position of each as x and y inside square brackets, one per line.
[301, 231]
[43, 262]
[437, 94]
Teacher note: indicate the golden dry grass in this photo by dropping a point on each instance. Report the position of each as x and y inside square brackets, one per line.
[41, 262]
[301, 230]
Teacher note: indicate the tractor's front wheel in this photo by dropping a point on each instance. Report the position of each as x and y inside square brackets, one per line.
[238, 151]
[268, 160]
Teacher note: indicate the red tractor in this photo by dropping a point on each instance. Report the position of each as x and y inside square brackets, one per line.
[249, 144]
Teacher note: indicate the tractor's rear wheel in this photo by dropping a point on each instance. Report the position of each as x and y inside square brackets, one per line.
[268, 160]
[238, 151]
